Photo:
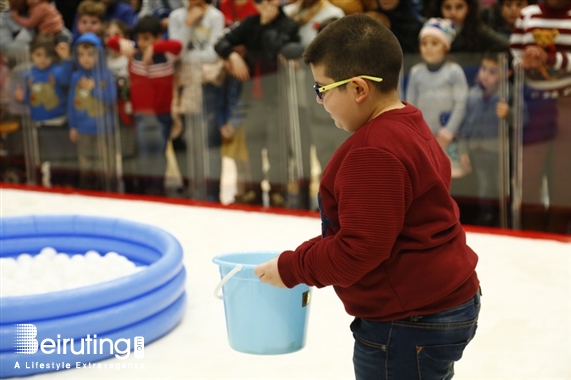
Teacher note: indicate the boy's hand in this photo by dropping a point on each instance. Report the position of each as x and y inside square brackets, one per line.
[465, 162]
[19, 94]
[534, 57]
[269, 274]
[238, 67]
[444, 137]
[165, 23]
[195, 13]
[86, 83]
[73, 135]
[148, 55]
[63, 50]
[268, 13]
[227, 131]
[502, 109]
[126, 48]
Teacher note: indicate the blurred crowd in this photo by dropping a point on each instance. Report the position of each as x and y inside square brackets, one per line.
[137, 92]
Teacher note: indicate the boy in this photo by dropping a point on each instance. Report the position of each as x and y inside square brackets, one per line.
[151, 72]
[92, 96]
[45, 93]
[391, 244]
[90, 18]
[47, 81]
[198, 26]
[478, 143]
[541, 41]
[263, 35]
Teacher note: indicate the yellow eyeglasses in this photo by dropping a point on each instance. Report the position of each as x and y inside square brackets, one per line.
[319, 90]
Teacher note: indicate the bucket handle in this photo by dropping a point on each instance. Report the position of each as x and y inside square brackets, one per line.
[236, 269]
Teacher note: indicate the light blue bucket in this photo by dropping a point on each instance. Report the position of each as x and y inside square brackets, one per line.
[260, 318]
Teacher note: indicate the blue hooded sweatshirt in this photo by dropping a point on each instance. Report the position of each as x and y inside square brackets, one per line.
[92, 112]
[46, 91]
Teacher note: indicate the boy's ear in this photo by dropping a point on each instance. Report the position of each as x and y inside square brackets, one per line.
[361, 89]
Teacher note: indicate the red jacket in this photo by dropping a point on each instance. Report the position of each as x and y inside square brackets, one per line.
[152, 85]
[392, 244]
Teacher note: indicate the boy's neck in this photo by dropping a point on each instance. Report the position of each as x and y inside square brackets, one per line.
[386, 102]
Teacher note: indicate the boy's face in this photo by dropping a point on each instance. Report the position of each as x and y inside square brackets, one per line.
[510, 10]
[113, 31]
[86, 56]
[87, 23]
[337, 102]
[489, 75]
[41, 58]
[455, 10]
[263, 5]
[432, 50]
[144, 40]
[33, 2]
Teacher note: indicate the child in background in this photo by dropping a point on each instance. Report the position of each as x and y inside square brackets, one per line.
[90, 18]
[118, 64]
[437, 86]
[45, 93]
[47, 81]
[198, 27]
[43, 17]
[101, 11]
[478, 143]
[92, 96]
[263, 35]
[472, 35]
[151, 73]
[541, 41]
[502, 15]
[390, 229]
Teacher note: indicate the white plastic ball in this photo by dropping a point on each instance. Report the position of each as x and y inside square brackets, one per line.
[48, 252]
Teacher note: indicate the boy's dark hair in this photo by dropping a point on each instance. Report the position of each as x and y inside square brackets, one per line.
[149, 24]
[494, 56]
[44, 41]
[91, 8]
[357, 45]
[325, 23]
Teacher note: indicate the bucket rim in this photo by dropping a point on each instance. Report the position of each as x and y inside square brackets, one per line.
[221, 259]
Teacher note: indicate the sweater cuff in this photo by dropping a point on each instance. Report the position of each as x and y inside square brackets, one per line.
[113, 43]
[167, 46]
[285, 264]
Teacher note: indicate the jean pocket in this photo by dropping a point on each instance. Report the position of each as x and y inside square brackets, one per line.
[437, 362]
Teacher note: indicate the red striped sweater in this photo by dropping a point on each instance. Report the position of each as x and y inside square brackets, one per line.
[152, 85]
[392, 244]
[541, 17]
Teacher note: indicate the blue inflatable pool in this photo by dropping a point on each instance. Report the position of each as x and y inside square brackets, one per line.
[115, 318]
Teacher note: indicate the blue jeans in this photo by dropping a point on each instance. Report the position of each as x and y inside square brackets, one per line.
[423, 347]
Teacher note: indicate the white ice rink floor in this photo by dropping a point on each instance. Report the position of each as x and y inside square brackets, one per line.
[524, 329]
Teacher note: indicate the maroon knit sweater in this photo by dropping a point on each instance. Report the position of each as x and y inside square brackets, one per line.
[392, 244]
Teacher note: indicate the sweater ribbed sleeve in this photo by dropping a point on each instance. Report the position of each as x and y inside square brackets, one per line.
[373, 192]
